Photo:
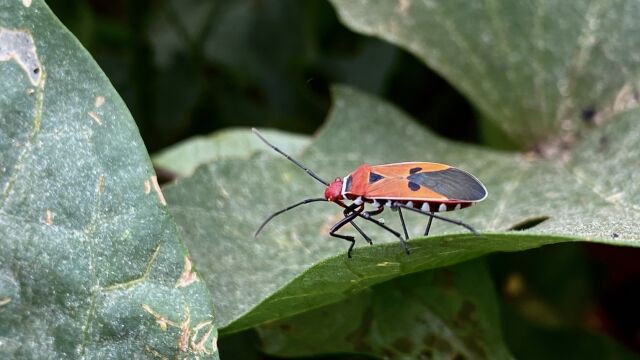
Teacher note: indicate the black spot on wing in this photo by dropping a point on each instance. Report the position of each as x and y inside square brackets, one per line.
[453, 183]
[415, 170]
[373, 177]
[413, 186]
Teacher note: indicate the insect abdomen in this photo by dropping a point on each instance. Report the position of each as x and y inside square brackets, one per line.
[430, 206]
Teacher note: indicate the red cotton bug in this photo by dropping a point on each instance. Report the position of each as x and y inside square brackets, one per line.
[422, 187]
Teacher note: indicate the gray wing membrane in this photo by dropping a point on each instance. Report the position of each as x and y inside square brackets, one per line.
[452, 183]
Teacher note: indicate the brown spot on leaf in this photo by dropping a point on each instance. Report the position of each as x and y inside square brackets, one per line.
[403, 6]
[183, 339]
[18, 45]
[514, 285]
[156, 187]
[48, 217]
[437, 343]
[95, 117]
[458, 356]
[403, 344]
[445, 280]
[358, 337]
[160, 320]
[187, 277]
[99, 101]
[464, 317]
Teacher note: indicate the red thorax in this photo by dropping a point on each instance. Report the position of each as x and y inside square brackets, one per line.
[334, 190]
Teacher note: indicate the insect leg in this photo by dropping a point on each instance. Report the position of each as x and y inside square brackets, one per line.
[456, 222]
[404, 227]
[364, 235]
[340, 224]
[348, 210]
[426, 232]
[367, 215]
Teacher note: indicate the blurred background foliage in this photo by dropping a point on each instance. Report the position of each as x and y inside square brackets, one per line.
[190, 67]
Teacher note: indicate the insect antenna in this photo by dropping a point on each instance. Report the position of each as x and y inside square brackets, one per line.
[305, 201]
[306, 169]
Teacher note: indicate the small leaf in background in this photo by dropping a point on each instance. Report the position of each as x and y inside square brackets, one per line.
[548, 302]
[183, 158]
[91, 263]
[531, 341]
[295, 266]
[239, 63]
[439, 314]
[538, 69]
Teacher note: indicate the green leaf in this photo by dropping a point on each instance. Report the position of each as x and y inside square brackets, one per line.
[525, 280]
[184, 157]
[535, 68]
[530, 341]
[547, 305]
[91, 263]
[446, 313]
[294, 266]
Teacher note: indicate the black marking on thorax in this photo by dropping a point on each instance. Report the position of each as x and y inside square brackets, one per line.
[373, 177]
[347, 186]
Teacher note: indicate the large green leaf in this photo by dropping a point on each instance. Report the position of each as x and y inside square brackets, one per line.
[184, 157]
[91, 264]
[453, 311]
[441, 314]
[295, 266]
[535, 68]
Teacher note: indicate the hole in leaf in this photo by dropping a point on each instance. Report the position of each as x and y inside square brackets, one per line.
[528, 223]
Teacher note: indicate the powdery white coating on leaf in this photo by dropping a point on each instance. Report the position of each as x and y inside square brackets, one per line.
[82, 245]
[99, 101]
[535, 68]
[295, 265]
[18, 45]
[26, 3]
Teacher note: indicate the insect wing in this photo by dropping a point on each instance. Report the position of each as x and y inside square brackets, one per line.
[424, 181]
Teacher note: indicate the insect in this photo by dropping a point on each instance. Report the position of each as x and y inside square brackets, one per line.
[423, 187]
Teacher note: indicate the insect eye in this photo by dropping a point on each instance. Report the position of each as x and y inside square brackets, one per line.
[337, 179]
